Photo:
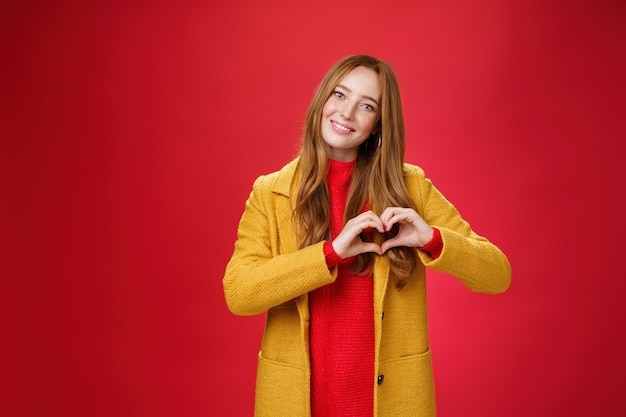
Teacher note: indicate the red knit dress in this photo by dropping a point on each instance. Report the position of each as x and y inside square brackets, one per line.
[342, 321]
[342, 325]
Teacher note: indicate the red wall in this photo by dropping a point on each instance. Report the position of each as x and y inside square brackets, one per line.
[130, 137]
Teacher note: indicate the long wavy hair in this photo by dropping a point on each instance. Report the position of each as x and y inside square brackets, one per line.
[377, 181]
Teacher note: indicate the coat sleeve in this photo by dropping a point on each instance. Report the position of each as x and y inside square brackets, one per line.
[260, 275]
[477, 262]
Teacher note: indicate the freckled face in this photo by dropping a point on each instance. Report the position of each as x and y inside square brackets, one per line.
[350, 113]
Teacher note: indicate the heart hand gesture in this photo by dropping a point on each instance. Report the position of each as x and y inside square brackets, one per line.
[413, 231]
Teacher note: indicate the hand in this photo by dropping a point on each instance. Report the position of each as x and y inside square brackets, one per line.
[413, 231]
[348, 243]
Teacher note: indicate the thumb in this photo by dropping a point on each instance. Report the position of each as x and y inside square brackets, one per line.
[372, 247]
[388, 244]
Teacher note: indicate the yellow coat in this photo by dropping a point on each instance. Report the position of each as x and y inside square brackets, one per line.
[267, 273]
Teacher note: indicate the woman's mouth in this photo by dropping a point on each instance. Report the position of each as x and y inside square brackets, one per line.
[341, 128]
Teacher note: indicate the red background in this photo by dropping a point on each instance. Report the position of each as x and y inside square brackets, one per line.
[130, 137]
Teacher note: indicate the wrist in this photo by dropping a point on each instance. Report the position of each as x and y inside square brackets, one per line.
[435, 246]
[428, 236]
[340, 255]
[332, 258]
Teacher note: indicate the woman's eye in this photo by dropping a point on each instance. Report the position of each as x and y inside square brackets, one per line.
[338, 94]
[368, 107]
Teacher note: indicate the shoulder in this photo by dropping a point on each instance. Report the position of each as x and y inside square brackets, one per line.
[412, 170]
[417, 184]
[278, 181]
[413, 174]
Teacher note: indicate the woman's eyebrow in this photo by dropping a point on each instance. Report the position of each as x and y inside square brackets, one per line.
[349, 91]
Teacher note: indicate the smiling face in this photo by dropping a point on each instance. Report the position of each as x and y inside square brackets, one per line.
[350, 114]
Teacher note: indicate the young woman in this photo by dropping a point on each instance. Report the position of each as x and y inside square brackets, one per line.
[334, 248]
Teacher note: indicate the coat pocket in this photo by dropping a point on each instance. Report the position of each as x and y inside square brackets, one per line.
[406, 387]
[282, 389]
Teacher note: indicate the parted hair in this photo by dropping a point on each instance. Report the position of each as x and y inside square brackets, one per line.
[377, 181]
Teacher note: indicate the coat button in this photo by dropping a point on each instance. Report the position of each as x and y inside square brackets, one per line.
[383, 316]
[381, 378]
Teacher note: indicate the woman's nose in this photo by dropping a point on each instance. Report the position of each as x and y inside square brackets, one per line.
[348, 110]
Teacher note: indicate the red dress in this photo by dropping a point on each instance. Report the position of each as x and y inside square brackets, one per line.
[342, 325]
[342, 321]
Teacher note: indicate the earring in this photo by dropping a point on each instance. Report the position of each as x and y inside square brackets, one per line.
[380, 140]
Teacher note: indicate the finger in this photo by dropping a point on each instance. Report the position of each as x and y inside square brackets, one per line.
[351, 232]
[357, 228]
[404, 216]
[365, 221]
[387, 214]
[394, 217]
[384, 218]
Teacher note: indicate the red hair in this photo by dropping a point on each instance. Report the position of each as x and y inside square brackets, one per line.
[378, 178]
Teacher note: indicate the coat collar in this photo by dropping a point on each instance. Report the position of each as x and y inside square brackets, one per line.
[285, 178]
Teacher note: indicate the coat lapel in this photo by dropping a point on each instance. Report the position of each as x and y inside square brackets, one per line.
[381, 279]
[284, 204]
